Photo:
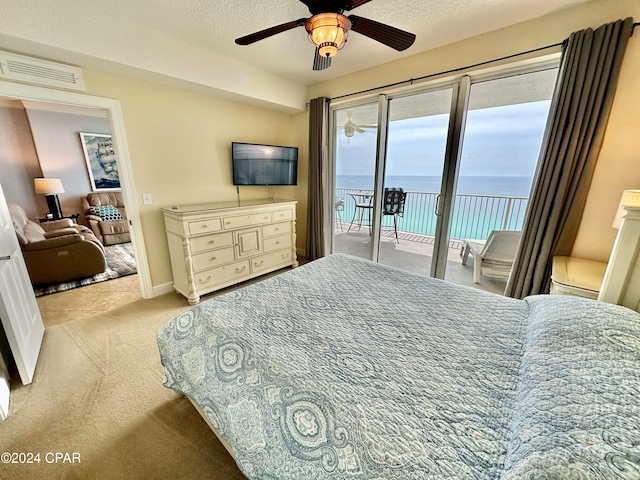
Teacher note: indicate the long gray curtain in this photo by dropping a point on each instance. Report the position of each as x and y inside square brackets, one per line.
[587, 81]
[316, 215]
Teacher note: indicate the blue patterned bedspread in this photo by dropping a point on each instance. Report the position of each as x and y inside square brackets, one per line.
[346, 369]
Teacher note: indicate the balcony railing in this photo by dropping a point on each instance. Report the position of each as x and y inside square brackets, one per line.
[474, 216]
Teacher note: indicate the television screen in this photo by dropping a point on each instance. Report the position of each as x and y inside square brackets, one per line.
[264, 164]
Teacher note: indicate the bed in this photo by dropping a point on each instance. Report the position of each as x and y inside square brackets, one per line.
[347, 369]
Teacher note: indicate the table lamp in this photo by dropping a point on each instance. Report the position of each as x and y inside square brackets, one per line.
[621, 283]
[630, 198]
[50, 187]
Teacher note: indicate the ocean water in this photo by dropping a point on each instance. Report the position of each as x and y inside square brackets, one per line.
[496, 203]
[507, 186]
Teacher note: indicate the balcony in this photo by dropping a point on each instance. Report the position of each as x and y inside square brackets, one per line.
[474, 216]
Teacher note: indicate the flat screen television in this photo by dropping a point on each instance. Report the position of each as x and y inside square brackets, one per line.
[255, 164]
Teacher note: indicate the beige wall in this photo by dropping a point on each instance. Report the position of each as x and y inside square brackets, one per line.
[619, 163]
[19, 163]
[57, 140]
[180, 143]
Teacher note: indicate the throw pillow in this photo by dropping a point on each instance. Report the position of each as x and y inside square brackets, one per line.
[108, 213]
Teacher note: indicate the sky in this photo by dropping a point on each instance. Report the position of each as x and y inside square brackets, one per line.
[498, 141]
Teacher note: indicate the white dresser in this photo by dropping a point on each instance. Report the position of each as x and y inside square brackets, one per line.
[216, 245]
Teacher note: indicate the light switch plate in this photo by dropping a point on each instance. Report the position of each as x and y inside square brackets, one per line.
[146, 199]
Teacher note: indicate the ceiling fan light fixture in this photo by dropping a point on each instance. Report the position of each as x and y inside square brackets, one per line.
[328, 32]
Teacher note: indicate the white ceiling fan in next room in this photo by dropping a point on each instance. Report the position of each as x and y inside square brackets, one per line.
[350, 128]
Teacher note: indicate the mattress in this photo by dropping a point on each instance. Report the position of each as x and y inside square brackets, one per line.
[346, 369]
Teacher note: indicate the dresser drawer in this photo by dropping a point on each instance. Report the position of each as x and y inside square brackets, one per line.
[282, 215]
[216, 276]
[246, 220]
[205, 226]
[207, 242]
[277, 243]
[269, 261]
[276, 229]
[212, 259]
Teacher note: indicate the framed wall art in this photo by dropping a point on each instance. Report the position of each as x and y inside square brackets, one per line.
[101, 161]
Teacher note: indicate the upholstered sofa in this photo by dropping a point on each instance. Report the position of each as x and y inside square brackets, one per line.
[57, 251]
[105, 215]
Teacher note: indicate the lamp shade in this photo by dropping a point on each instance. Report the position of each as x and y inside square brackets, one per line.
[630, 198]
[328, 31]
[48, 186]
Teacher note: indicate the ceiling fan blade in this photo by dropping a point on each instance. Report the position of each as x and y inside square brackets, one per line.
[355, 4]
[320, 62]
[360, 130]
[390, 36]
[268, 32]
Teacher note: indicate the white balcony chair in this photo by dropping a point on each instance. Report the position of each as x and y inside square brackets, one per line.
[492, 257]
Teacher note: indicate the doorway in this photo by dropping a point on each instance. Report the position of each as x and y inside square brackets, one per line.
[462, 154]
[114, 115]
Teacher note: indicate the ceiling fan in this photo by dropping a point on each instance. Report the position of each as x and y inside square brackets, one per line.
[328, 29]
[351, 128]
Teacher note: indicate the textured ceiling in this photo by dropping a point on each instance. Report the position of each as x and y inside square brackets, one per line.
[215, 24]
[178, 38]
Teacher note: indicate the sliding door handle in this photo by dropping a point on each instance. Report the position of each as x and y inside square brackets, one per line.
[438, 211]
[5, 257]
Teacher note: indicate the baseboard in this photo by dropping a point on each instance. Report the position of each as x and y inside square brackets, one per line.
[162, 289]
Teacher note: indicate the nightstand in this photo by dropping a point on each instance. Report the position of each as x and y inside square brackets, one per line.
[577, 276]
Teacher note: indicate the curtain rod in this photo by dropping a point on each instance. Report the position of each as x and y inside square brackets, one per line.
[454, 70]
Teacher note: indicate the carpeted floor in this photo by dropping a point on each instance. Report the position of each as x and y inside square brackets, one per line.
[98, 392]
[120, 263]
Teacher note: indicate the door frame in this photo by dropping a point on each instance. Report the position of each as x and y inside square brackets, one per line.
[116, 124]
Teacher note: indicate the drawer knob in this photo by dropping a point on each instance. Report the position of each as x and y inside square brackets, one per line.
[277, 243]
[205, 226]
[208, 279]
[228, 223]
[240, 270]
[212, 241]
[258, 264]
[214, 258]
[284, 255]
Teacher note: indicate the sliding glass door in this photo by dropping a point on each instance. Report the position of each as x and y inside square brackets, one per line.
[415, 142]
[504, 127]
[418, 174]
[355, 141]
[416, 148]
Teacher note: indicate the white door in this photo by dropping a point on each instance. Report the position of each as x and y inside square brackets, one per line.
[19, 311]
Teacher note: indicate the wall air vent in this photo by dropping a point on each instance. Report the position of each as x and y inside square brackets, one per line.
[40, 72]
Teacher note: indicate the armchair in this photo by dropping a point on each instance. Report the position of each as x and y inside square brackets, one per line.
[57, 251]
[106, 216]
